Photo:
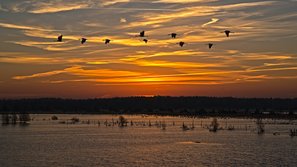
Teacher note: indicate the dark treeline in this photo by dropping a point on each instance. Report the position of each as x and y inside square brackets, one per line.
[160, 105]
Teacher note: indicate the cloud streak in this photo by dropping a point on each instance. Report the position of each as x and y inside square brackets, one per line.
[213, 20]
[44, 74]
[22, 27]
[53, 8]
[194, 12]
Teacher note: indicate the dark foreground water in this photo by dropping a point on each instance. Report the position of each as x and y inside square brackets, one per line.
[49, 143]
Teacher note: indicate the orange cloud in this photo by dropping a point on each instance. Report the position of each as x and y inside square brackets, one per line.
[53, 8]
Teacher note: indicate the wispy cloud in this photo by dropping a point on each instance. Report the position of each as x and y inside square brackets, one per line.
[50, 46]
[51, 6]
[213, 20]
[44, 74]
[56, 7]
[22, 27]
[112, 2]
[123, 20]
[79, 71]
[21, 58]
[151, 19]
[181, 1]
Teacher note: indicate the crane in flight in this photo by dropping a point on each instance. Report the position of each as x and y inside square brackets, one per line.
[145, 40]
[83, 40]
[173, 35]
[141, 34]
[106, 41]
[181, 43]
[227, 32]
[60, 38]
[210, 45]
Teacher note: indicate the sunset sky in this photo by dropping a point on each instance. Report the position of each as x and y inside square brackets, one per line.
[258, 60]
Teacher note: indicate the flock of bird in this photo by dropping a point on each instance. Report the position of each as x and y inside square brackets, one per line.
[144, 39]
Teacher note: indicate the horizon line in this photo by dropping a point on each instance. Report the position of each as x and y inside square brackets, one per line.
[144, 96]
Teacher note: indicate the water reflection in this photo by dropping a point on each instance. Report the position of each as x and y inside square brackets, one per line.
[48, 142]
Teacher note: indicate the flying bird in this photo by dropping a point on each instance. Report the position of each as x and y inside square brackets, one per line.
[141, 34]
[227, 32]
[145, 40]
[83, 40]
[60, 38]
[173, 35]
[181, 43]
[210, 45]
[106, 41]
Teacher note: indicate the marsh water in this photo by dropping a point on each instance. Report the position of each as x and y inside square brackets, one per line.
[49, 143]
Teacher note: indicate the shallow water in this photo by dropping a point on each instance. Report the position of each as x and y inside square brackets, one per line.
[48, 143]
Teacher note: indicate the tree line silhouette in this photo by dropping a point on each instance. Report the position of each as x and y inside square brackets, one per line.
[158, 105]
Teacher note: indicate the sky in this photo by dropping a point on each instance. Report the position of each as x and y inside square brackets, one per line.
[258, 60]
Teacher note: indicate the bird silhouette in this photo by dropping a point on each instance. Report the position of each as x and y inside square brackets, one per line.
[60, 38]
[106, 41]
[227, 32]
[141, 34]
[181, 43]
[83, 40]
[145, 40]
[173, 35]
[210, 45]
